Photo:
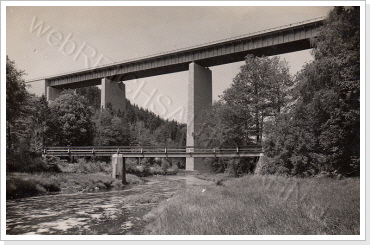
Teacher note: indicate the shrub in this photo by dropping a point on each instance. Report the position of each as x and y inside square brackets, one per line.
[231, 166]
[130, 165]
[165, 165]
[146, 162]
[156, 169]
[179, 162]
[217, 165]
[172, 170]
[146, 168]
[50, 183]
[25, 185]
[132, 179]
[269, 166]
[16, 187]
[28, 163]
[142, 170]
[87, 167]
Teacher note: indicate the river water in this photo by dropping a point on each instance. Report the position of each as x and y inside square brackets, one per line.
[115, 212]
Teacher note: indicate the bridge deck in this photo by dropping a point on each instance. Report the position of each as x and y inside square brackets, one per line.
[285, 39]
[137, 152]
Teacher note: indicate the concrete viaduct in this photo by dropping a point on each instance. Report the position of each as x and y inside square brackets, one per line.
[197, 60]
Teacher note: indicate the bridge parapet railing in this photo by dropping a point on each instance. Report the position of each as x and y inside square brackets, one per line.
[110, 150]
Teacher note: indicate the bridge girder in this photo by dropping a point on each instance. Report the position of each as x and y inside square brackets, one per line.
[286, 40]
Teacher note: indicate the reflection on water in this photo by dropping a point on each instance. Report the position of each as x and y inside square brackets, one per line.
[105, 212]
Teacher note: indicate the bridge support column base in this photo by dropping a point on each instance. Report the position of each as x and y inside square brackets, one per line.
[189, 164]
[119, 167]
[196, 164]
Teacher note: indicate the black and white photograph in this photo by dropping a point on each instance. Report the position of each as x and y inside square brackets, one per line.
[158, 120]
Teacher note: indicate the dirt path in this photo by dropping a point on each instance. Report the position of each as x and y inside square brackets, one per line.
[114, 212]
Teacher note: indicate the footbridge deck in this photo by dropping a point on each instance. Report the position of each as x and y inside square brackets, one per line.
[148, 151]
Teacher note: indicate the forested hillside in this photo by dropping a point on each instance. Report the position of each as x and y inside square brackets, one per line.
[75, 119]
[137, 126]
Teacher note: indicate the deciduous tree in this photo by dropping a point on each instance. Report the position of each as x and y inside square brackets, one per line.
[325, 119]
[258, 91]
[110, 129]
[71, 123]
[16, 99]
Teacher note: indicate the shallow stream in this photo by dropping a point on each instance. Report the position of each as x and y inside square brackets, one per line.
[115, 212]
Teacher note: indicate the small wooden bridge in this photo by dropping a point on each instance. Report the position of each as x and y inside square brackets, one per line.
[120, 153]
[149, 151]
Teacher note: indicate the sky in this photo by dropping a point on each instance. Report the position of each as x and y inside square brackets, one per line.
[111, 34]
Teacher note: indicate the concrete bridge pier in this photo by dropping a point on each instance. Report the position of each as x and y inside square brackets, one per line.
[42, 87]
[199, 101]
[113, 93]
[52, 93]
[119, 167]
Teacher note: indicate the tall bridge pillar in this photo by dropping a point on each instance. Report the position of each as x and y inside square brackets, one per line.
[114, 93]
[52, 93]
[42, 87]
[199, 101]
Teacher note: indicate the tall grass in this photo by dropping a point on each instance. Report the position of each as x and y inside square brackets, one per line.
[261, 205]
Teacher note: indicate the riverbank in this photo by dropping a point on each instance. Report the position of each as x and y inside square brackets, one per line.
[261, 205]
[20, 185]
[193, 204]
[113, 212]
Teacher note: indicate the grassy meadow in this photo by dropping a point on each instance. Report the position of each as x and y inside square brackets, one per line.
[261, 205]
